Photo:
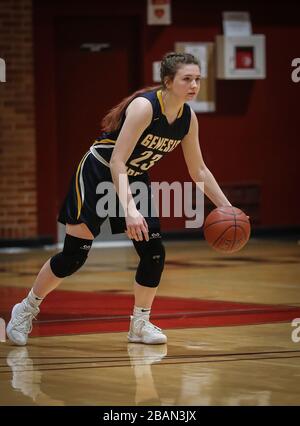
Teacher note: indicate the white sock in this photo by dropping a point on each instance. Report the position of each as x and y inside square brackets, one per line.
[143, 313]
[33, 299]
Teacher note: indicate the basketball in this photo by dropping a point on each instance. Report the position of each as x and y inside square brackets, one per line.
[227, 229]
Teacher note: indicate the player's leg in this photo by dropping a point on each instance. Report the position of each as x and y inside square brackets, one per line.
[144, 296]
[78, 241]
[147, 279]
[49, 277]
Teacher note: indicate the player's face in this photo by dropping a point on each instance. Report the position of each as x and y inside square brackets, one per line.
[186, 83]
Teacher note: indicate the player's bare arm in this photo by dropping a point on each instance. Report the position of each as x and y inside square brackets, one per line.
[138, 117]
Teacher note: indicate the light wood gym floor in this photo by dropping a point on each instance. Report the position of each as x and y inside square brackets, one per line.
[228, 319]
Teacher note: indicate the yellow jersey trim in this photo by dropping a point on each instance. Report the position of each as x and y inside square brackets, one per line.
[79, 201]
[104, 141]
[159, 96]
[180, 112]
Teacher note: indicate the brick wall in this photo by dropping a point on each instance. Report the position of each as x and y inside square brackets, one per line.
[18, 205]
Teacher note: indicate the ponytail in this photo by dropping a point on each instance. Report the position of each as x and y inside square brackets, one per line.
[113, 119]
[170, 64]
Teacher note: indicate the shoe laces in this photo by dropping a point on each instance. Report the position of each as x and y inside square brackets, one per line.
[147, 325]
[24, 321]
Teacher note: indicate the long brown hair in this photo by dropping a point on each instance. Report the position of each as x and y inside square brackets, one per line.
[170, 64]
[113, 118]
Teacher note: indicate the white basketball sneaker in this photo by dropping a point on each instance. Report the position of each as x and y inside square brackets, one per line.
[142, 331]
[20, 324]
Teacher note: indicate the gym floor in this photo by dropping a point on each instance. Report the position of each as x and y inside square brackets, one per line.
[228, 319]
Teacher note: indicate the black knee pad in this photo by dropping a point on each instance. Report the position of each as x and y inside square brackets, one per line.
[152, 260]
[73, 256]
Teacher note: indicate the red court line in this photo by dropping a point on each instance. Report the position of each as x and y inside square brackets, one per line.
[72, 312]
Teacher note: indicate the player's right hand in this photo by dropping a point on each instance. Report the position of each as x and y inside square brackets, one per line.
[137, 228]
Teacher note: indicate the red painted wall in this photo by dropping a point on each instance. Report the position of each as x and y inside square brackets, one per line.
[253, 135]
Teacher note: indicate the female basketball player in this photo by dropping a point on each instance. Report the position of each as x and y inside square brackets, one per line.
[137, 133]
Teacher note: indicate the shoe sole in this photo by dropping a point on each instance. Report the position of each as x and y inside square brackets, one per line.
[145, 341]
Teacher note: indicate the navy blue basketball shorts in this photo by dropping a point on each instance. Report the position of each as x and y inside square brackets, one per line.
[91, 199]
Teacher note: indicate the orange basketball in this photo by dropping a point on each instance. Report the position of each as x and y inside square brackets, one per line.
[227, 229]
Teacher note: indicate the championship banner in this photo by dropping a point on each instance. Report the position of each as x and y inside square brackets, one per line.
[159, 12]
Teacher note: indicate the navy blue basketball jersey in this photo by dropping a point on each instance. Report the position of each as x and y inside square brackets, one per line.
[157, 140]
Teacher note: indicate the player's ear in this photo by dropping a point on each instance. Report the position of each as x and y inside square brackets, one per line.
[167, 82]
